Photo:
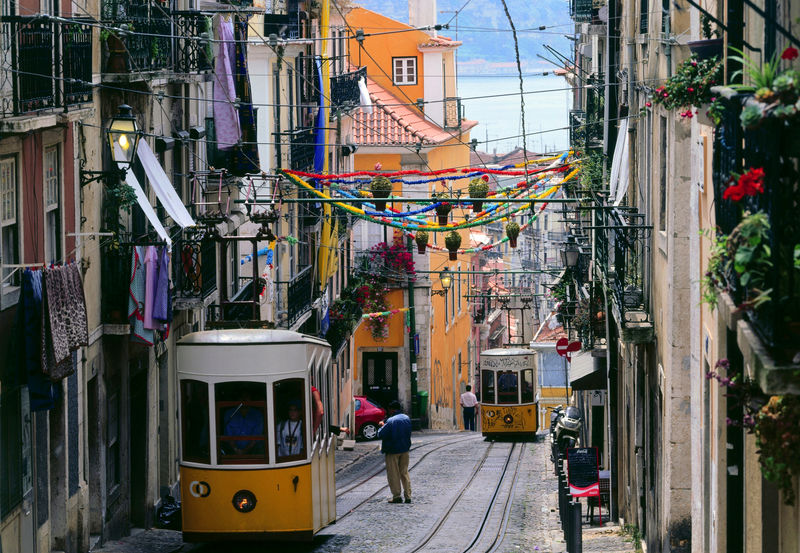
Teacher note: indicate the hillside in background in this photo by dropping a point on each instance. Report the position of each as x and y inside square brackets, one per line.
[484, 29]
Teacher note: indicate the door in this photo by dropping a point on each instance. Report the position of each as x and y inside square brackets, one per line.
[380, 377]
[138, 437]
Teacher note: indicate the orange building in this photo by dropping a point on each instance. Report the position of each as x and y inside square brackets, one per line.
[415, 123]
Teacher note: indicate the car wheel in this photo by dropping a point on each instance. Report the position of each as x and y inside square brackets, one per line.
[369, 431]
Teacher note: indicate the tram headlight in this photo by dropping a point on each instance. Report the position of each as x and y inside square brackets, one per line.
[490, 414]
[244, 501]
[508, 419]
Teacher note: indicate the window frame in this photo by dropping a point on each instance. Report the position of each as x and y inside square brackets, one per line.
[52, 204]
[11, 224]
[405, 79]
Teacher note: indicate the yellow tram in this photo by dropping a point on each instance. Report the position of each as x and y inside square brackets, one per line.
[509, 399]
[252, 467]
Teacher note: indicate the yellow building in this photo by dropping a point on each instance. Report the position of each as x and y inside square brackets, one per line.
[415, 123]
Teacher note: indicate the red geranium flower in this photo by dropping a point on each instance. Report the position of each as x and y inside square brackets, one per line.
[789, 54]
[752, 182]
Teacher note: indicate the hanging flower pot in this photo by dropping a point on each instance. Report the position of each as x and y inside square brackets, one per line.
[452, 241]
[421, 238]
[443, 208]
[512, 231]
[478, 188]
[381, 187]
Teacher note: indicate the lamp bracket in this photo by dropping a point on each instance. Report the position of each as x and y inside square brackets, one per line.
[88, 177]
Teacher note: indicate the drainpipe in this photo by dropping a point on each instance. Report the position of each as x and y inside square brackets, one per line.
[412, 354]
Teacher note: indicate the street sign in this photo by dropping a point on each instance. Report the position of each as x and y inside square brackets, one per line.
[565, 348]
[582, 472]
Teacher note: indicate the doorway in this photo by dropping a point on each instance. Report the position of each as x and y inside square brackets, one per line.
[380, 377]
[138, 451]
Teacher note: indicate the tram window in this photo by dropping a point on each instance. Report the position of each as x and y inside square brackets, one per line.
[527, 386]
[195, 445]
[507, 387]
[290, 435]
[241, 417]
[487, 387]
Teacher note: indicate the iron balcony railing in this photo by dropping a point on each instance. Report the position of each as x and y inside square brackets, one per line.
[297, 295]
[345, 95]
[284, 26]
[301, 149]
[45, 65]
[581, 10]
[194, 267]
[193, 45]
[148, 46]
[452, 113]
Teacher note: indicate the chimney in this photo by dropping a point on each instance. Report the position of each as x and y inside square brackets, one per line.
[422, 13]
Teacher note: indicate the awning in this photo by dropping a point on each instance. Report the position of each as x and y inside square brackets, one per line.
[587, 372]
[163, 187]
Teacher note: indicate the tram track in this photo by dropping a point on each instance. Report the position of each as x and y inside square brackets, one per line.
[491, 524]
[351, 488]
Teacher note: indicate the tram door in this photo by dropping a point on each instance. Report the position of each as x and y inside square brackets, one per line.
[380, 377]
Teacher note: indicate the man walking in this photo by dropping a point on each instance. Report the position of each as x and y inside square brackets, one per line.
[468, 403]
[395, 434]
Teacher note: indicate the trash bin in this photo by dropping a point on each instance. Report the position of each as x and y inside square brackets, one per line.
[422, 405]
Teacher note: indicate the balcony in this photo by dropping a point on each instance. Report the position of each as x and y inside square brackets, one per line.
[345, 95]
[193, 55]
[115, 274]
[297, 295]
[301, 148]
[285, 26]
[452, 113]
[51, 64]
[148, 46]
[194, 269]
[581, 10]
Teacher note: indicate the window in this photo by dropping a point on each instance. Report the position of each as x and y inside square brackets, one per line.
[290, 430]
[644, 9]
[9, 233]
[195, 444]
[662, 202]
[241, 415]
[459, 288]
[405, 71]
[487, 386]
[11, 462]
[52, 214]
[507, 387]
[527, 386]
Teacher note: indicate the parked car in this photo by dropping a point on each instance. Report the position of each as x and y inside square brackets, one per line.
[368, 415]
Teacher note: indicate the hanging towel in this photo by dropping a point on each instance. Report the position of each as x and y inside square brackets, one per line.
[150, 280]
[226, 120]
[142, 199]
[136, 299]
[63, 320]
[161, 311]
[363, 95]
[163, 187]
[245, 157]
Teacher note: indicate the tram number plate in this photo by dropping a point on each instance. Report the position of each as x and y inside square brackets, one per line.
[582, 472]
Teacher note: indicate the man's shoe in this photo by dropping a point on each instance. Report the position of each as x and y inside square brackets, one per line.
[408, 500]
[396, 500]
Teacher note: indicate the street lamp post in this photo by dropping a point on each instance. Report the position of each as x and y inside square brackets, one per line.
[445, 279]
[123, 136]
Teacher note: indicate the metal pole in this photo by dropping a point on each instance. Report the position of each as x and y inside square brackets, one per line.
[566, 380]
[577, 528]
[412, 353]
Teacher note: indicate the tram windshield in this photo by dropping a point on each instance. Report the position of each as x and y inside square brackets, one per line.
[507, 387]
[527, 386]
[196, 445]
[487, 386]
[290, 409]
[241, 414]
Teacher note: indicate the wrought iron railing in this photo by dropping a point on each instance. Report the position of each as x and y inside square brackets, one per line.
[149, 44]
[345, 94]
[194, 267]
[452, 113]
[581, 10]
[193, 49]
[76, 59]
[284, 26]
[298, 295]
[301, 148]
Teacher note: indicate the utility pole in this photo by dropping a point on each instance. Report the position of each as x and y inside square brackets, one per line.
[412, 352]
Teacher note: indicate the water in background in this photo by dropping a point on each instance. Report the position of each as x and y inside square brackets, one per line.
[546, 113]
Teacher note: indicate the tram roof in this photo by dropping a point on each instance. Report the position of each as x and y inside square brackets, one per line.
[249, 336]
[508, 351]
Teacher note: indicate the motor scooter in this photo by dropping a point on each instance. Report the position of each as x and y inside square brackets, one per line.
[567, 431]
[554, 416]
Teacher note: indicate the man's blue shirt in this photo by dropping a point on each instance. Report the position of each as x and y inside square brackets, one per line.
[396, 434]
[240, 424]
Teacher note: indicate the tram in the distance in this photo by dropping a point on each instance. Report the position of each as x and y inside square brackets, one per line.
[252, 466]
[509, 399]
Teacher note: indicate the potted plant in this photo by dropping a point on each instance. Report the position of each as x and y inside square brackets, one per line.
[421, 238]
[380, 187]
[443, 207]
[453, 242]
[512, 231]
[711, 45]
[478, 188]
[690, 86]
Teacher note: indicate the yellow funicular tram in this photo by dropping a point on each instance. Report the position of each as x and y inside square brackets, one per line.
[509, 399]
[252, 465]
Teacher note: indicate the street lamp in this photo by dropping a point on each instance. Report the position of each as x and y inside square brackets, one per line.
[123, 136]
[445, 279]
[570, 253]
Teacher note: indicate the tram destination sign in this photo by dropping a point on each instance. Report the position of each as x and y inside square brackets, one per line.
[583, 474]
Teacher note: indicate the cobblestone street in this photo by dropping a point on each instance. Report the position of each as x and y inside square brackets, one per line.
[442, 465]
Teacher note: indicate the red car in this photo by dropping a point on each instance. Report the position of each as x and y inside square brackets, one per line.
[368, 415]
